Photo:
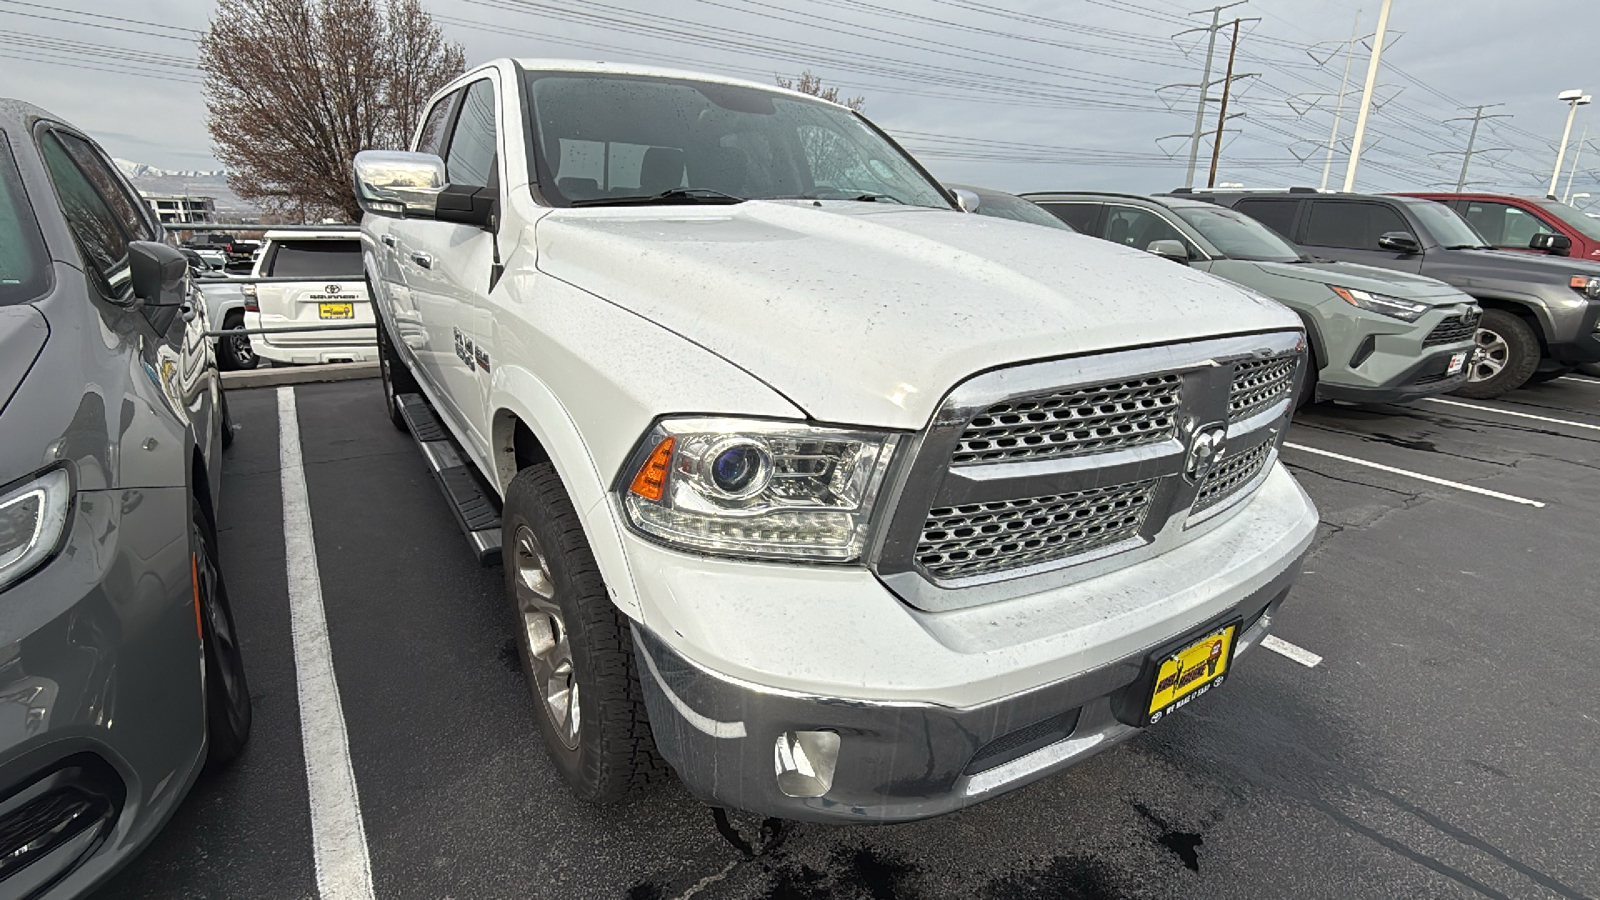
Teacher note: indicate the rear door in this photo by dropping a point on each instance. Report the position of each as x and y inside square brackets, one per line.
[330, 291]
[1276, 213]
[1348, 230]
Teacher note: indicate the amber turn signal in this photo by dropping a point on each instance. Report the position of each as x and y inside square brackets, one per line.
[652, 478]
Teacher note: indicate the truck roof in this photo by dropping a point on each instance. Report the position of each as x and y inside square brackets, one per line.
[539, 64]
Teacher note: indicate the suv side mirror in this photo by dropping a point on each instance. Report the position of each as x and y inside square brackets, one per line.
[1550, 243]
[157, 272]
[1170, 249]
[411, 186]
[967, 200]
[1399, 242]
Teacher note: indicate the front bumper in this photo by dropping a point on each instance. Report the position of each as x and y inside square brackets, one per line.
[1584, 347]
[1425, 378]
[101, 712]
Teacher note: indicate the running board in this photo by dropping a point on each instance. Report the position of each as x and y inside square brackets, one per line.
[474, 508]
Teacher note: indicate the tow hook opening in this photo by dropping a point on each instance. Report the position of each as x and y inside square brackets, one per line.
[805, 762]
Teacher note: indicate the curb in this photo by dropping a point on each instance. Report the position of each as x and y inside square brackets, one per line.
[255, 378]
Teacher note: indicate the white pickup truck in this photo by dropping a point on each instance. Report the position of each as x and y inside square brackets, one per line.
[846, 505]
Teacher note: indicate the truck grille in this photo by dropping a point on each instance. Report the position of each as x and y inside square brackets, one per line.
[1233, 473]
[1259, 383]
[1077, 422]
[1452, 330]
[983, 538]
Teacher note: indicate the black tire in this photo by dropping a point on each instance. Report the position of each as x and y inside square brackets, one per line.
[235, 353]
[1506, 356]
[606, 750]
[227, 691]
[1550, 374]
[396, 378]
[1308, 388]
[227, 419]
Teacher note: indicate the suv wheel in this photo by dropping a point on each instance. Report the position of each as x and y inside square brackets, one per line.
[227, 693]
[1507, 352]
[234, 352]
[397, 379]
[576, 648]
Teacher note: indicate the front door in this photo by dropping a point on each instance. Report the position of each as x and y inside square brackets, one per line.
[1349, 230]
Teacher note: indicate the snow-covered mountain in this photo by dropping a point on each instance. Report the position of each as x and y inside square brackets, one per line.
[156, 180]
[139, 170]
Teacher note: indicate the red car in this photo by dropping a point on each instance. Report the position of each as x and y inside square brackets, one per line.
[1512, 223]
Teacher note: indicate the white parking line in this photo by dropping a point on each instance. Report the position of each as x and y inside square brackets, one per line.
[1417, 475]
[1299, 654]
[1579, 379]
[1507, 412]
[338, 837]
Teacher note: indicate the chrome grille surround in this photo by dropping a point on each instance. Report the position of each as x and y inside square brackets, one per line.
[979, 538]
[1077, 422]
[1234, 472]
[1259, 383]
[954, 532]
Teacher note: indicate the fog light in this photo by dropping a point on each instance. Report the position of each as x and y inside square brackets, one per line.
[805, 762]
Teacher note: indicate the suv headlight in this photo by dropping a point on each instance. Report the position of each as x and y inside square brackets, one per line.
[33, 516]
[1394, 307]
[1589, 287]
[744, 487]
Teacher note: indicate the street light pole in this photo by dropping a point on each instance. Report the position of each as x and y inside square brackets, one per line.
[1574, 99]
[1338, 107]
[1576, 152]
[1366, 97]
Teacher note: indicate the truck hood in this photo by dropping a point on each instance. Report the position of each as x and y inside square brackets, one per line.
[1369, 278]
[22, 335]
[868, 314]
[1529, 266]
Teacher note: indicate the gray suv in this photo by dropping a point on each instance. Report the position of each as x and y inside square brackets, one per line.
[1541, 314]
[1378, 336]
[119, 663]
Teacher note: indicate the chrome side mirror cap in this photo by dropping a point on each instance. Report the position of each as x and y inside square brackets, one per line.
[398, 184]
[966, 200]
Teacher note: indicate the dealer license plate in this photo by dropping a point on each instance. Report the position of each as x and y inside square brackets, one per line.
[1458, 361]
[336, 310]
[1192, 671]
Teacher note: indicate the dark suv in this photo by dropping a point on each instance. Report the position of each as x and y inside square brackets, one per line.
[1540, 313]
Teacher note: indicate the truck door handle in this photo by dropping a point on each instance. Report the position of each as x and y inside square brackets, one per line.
[424, 260]
[388, 240]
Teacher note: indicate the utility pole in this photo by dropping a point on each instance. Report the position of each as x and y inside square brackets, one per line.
[1366, 97]
[1576, 152]
[1338, 107]
[1222, 114]
[1205, 82]
[1472, 139]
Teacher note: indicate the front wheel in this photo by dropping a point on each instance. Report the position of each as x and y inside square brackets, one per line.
[1506, 355]
[396, 378]
[227, 692]
[576, 648]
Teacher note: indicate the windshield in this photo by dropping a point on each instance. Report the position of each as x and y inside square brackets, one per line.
[1237, 235]
[1009, 206]
[601, 137]
[23, 263]
[1576, 218]
[1446, 225]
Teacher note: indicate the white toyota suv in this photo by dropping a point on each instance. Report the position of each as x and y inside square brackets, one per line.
[314, 279]
[844, 504]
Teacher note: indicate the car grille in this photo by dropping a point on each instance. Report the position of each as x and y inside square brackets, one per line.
[1078, 422]
[1231, 474]
[45, 823]
[1259, 383]
[983, 538]
[1453, 330]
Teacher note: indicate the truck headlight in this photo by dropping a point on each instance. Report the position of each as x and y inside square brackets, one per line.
[1583, 284]
[745, 487]
[33, 516]
[1394, 307]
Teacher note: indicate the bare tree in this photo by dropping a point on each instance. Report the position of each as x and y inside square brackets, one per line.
[811, 84]
[295, 88]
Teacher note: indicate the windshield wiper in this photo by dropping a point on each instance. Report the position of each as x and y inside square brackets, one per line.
[688, 196]
[1469, 247]
[863, 197]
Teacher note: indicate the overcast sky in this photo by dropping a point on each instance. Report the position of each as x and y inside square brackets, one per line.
[1013, 94]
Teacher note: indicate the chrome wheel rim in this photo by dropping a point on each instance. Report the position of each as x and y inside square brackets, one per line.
[553, 676]
[242, 352]
[1490, 355]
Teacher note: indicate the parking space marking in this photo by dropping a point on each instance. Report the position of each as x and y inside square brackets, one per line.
[1299, 654]
[1417, 475]
[1579, 379]
[1507, 412]
[338, 836]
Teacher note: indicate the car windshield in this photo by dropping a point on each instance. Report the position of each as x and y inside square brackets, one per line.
[317, 259]
[1009, 206]
[1579, 220]
[601, 138]
[24, 266]
[1446, 225]
[1237, 235]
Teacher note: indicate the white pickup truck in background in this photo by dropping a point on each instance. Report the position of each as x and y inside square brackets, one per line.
[846, 505]
[328, 289]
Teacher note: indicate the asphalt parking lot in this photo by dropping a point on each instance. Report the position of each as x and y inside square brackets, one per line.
[1437, 734]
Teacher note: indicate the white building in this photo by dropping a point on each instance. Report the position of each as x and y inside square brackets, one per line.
[183, 209]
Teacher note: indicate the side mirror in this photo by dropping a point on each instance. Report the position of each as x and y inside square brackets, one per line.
[412, 186]
[1550, 243]
[1399, 242]
[1170, 249]
[967, 200]
[157, 273]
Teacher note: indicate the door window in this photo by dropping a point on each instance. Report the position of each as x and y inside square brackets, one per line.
[471, 160]
[1504, 225]
[431, 138]
[129, 209]
[1139, 228]
[1275, 214]
[1352, 226]
[24, 265]
[1079, 215]
[96, 226]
